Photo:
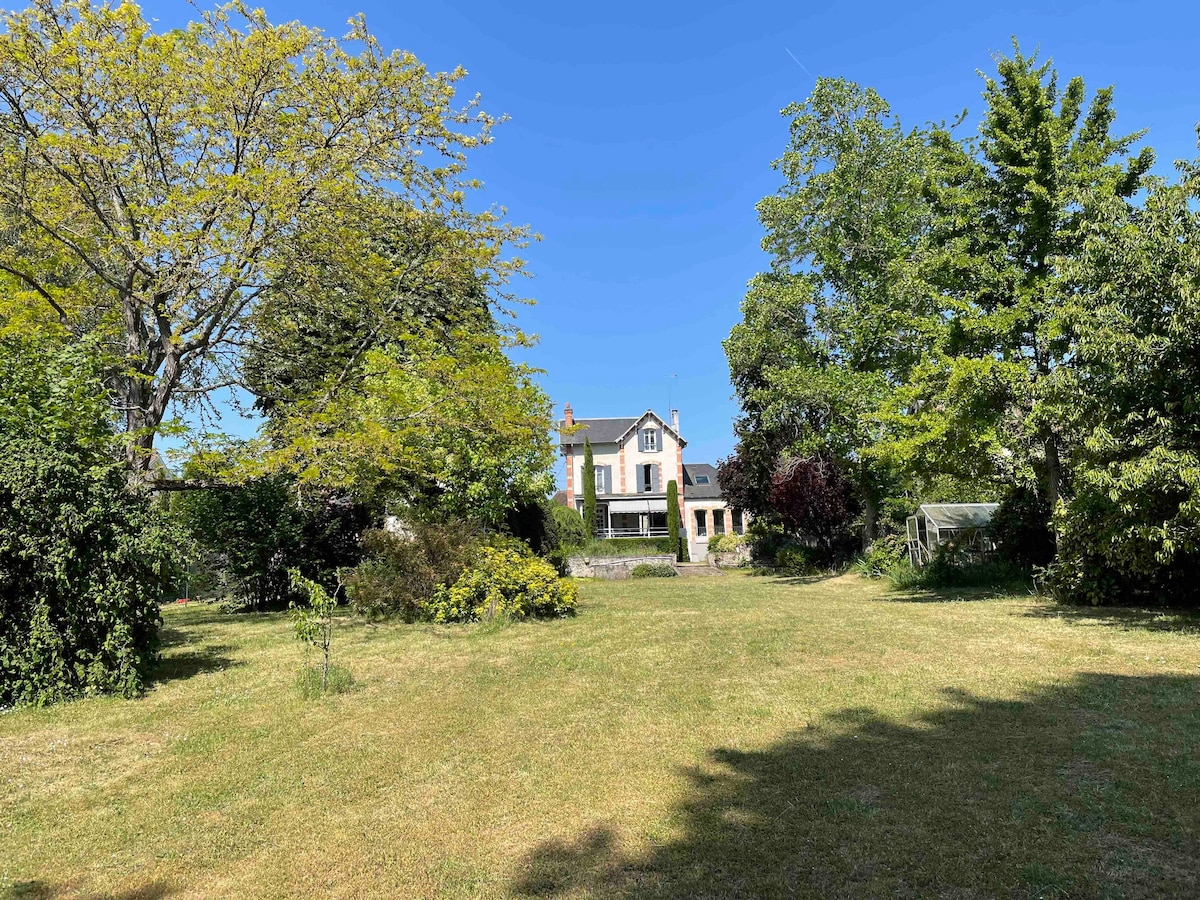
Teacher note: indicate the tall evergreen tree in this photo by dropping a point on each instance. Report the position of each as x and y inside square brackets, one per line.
[589, 489]
[673, 521]
[1010, 211]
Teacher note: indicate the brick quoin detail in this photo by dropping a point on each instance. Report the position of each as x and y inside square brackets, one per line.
[621, 463]
[570, 478]
[679, 481]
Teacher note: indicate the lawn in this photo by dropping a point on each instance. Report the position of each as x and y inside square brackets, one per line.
[687, 737]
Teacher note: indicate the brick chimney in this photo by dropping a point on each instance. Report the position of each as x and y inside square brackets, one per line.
[675, 420]
[568, 416]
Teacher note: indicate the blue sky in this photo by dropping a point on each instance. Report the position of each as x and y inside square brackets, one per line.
[641, 137]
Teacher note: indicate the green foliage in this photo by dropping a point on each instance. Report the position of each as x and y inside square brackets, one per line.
[1009, 215]
[551, 531]
[841, 317]
[798, 559]
[952, 569]
[503, 584]
[981, 316]
[402, 572]
[571, 531]
[653, 570]
[218, 174]
[725, 543]
[453, 427]
[245, 537]
[673, 521]
[771, 547]
[315, 681]
[1021, 528]
[589, 489]
[627, 547]
[313, 620]
[885, 555]
[1131, 532]
[84, 557]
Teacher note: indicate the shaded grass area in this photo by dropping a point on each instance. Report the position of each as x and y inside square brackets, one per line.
[731, 737]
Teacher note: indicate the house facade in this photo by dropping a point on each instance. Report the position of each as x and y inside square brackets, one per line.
[635, 458]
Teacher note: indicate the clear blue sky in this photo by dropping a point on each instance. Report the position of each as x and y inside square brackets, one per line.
[641, 136]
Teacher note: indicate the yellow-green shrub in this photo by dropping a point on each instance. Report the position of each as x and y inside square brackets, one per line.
[503, 583]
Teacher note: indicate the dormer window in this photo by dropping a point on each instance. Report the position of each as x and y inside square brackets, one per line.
[650, 440]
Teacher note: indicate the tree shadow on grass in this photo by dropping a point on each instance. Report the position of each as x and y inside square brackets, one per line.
[1122, 617]
[197, 660]
[40, 890]
[1086, 789]
[800, 580]
[188, 651]
[954, 594]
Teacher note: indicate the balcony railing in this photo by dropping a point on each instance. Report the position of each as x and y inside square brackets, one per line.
[630, 532]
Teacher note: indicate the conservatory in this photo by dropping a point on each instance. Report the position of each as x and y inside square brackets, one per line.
[966, 526]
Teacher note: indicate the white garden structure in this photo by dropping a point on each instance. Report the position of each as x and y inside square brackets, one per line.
[966, 525]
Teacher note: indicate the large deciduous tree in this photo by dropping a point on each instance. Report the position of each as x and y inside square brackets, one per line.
[838, 321]
[156, 186]
[1010, 211]
[1131, 403]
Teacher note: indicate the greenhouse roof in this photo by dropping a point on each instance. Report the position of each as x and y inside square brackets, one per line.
[959, 515]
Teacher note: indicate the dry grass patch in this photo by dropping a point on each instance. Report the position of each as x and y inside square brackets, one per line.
[736, 736]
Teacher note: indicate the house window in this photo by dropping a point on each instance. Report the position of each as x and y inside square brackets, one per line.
[719, 521]
[650, 440]
[599, 481]
[701, 523]
[739, 527]
[701, 479]
[648, 477]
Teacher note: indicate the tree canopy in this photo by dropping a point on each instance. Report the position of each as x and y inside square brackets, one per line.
[159, 187]
[1001, 315]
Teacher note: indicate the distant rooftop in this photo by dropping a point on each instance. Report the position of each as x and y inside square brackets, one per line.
[700, 482]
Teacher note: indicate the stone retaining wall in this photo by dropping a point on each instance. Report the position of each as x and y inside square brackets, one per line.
[612, 567]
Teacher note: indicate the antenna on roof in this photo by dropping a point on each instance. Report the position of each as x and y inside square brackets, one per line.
[669, 407]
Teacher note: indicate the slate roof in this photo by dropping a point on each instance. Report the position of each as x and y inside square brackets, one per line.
[598, 431]
[694, 491]
[608, 431]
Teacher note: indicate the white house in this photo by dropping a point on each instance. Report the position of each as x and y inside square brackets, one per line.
[634, 459]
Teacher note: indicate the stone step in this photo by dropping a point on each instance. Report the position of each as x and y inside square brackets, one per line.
[697, 569]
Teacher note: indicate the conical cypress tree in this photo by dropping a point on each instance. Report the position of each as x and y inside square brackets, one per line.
[673, 519]
[589, 489]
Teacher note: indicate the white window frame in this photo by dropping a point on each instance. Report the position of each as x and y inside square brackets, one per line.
[718, 517]
[650, 440]
[599, 479]
[700, 517]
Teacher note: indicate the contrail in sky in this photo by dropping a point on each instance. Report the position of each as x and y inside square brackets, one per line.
[800, 64]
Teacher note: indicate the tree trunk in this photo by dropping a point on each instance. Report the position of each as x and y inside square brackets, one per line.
[1053, 476]
[870, 513]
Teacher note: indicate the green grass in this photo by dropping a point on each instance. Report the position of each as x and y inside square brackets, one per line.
[689, 737]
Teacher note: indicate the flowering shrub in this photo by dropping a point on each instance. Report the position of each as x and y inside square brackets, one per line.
[725, 543]
[503, 583]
